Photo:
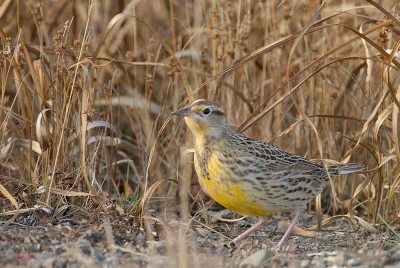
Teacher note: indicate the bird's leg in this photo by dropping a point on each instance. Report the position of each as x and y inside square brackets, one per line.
[247, 232]
[289, 230]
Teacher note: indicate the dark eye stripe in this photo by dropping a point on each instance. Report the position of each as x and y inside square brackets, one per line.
[218, 113]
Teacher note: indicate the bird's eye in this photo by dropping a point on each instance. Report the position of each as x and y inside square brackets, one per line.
[207, 111]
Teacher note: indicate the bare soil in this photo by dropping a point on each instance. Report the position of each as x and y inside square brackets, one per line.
[86, 239]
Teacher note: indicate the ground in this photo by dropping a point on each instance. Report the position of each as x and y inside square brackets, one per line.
[94, 239]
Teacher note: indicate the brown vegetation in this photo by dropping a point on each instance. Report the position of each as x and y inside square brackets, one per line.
[87, 90]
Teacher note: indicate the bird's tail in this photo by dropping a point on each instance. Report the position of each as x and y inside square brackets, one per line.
[342, 169]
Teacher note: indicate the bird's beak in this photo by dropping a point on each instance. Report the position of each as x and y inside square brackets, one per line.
[184, 111]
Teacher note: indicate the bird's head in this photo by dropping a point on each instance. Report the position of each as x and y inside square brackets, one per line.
[204, 118]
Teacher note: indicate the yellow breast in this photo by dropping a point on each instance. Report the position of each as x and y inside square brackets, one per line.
[234, 193]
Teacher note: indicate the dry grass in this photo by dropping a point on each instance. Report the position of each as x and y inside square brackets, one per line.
[87, 90]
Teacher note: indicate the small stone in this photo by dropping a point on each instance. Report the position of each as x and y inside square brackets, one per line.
[27, 240]
[256, 259]
[203, 242]
[355, 262]
[337, 259]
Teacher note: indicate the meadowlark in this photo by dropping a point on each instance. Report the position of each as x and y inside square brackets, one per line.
[252, 177]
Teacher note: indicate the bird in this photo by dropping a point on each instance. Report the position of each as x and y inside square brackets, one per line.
[249, 176]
